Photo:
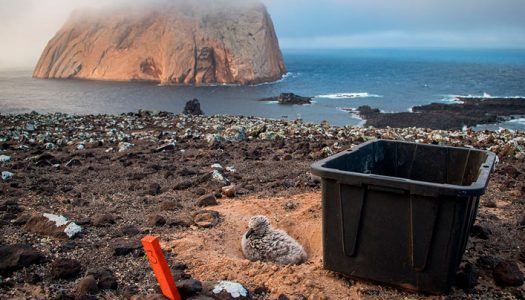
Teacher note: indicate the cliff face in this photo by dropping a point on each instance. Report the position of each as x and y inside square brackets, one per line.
[181, 43]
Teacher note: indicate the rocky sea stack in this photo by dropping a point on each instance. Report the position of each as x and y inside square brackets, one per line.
[176, 42]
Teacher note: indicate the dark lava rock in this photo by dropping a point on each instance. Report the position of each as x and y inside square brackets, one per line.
[104, 220]
[522, 222]
[32, 278]
[65, 268]
[467, 279]
[200, 297]
[73, 163]
[156, 221]
[206, 218]
[180, 275]
[130, 230]
[167, 147]
[522, 256]
[87, 286]
[18, 256]
[193, 107]
[39, 224]
[480, 232]
[289, 98]
[470, 112]
[21, 220]
[183, 185]
[106, 280]
[170, 205]
[189, 287]
[507, 273]
[181, 220]
[207, 200]
[487, 262]
[154, 189]
[125, 247]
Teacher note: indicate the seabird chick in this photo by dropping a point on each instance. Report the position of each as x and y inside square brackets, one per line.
[264, 243]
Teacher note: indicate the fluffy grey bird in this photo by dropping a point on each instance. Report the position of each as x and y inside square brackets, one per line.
[262, 242]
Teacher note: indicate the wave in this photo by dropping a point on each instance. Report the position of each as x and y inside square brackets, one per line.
[520, 121]
[349, 95]
[455, 98]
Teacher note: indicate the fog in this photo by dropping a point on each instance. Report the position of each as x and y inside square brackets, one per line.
[27, 25]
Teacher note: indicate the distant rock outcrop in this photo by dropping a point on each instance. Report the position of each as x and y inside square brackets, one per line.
[183, 42]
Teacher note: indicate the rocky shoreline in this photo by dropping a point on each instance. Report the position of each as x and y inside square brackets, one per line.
[124, 176]
[466, 112]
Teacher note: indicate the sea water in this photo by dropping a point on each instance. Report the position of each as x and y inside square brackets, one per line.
[392, 80]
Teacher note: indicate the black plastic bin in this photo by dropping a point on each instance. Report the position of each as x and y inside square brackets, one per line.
[400, 213]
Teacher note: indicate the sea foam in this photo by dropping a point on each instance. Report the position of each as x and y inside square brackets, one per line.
[349, 95]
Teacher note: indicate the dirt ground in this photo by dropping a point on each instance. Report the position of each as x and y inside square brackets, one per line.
[120, 196]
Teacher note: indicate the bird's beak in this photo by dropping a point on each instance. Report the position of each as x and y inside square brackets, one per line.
[250, 232]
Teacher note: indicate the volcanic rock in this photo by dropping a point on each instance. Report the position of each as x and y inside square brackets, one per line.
[18, 256]
[507, 273]
[193, 107]
[65, 268]
[181, 42]
[207, 200]
[206, 218]
[189, 287]
[87, 285]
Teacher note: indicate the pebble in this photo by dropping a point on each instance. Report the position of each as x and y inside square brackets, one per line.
[65, 268]
[6, 175]
[206, 218]
[507, 273]
[156, 221]
[154, 189]
[480, 232]
[487, 262]
[106, 280]
[229, 191]
[104, 220]
[189, 287]
[467, 279]
[73, 163]
[87, 286]
[207, 200]
[124, 247]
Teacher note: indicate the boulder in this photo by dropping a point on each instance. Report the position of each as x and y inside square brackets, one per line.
[507, 273]
[193, 107]
[18, 256]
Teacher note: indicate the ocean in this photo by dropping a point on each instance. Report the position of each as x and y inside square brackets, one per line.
[392, 80]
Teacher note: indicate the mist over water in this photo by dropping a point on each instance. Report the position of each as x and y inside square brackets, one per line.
[390, 79]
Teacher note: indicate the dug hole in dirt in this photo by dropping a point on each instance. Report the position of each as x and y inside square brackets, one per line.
[215, 254]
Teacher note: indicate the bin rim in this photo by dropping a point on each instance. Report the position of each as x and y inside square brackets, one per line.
[426, 188]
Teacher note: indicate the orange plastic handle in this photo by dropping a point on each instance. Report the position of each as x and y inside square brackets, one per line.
[160, 267]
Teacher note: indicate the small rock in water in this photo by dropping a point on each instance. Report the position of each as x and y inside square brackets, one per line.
[64, 268]
[6, 175]
[193, 107]
[507, 273]
[206, 218]
[230, 290]
[5, 158]
[207, 200]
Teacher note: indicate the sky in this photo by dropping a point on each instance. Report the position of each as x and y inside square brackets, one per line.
[27, 25]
